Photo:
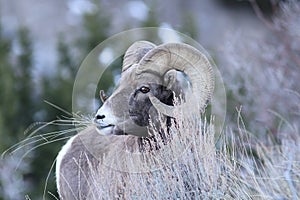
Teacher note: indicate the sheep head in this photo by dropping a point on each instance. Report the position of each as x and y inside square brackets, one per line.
[148, 83]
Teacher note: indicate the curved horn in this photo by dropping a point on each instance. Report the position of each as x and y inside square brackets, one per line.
[184, 58]
[135, 53]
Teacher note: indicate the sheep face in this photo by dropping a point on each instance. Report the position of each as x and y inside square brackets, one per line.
[129, 109]
[112, 118]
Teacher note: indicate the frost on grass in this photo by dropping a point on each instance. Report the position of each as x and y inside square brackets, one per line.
[12, 184]
[194, 164]
[16, 162]
[267, 169]
[263, 70]
[263, 74]
[186, 166]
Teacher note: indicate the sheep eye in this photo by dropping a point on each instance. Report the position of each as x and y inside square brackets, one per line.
[144, 89]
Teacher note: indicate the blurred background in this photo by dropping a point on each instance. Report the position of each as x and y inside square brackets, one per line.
[256, 46]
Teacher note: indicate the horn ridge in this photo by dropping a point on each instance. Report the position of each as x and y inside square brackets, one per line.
[135, 53]
[184, 58]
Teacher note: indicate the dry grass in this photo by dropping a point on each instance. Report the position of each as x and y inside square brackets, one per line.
[194, 165]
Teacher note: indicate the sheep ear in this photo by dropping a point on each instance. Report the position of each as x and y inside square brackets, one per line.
[170, 78]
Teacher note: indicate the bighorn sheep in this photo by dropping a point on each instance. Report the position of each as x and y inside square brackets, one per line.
[148, 85]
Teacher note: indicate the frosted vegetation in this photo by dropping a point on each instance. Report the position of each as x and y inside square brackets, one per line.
[262, 73]
[257, 155]
[195, 164]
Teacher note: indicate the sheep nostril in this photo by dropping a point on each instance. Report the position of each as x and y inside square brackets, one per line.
[100, 116]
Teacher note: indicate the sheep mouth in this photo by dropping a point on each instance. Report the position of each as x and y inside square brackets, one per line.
[105, 126]
[104, 129]
[102, 125]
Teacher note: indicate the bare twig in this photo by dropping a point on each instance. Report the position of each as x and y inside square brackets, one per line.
[287, 175]
[286, 40]
[274, 4]
[261, 16]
